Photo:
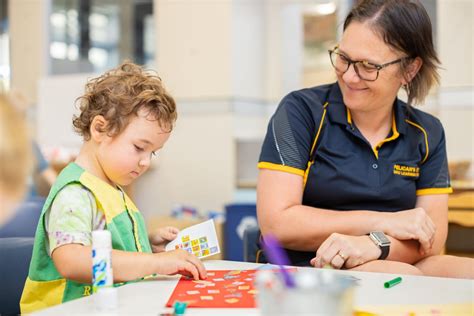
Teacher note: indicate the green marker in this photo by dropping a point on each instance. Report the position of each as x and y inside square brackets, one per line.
[392, 283]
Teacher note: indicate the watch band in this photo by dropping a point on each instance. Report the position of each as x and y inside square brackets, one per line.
[385, 251]
[382, 242]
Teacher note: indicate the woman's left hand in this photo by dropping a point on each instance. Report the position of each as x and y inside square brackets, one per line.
[345, 251]
[161, 237]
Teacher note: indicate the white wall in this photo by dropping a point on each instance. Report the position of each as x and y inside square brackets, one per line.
[456, 97]
[194, 47]
[55, 108]
[196, 167]
[28, 21]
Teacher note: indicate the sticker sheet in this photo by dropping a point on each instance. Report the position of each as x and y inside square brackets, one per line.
[200, 240]
[221, 289]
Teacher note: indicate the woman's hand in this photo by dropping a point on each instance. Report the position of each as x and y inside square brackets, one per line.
[412, 224]
[161, 237]
[181, 262]
[345, 251]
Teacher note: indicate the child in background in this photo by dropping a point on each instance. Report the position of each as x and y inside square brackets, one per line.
[42, 175]
[15, 158]
[126, 117]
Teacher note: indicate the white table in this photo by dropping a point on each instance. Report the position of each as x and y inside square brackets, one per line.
[150, 297]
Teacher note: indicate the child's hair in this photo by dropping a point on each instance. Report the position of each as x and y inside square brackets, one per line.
[15, 149]
[119, 94]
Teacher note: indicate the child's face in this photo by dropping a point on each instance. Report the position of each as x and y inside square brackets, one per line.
[127, 156]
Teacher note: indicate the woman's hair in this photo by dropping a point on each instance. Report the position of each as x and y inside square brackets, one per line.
[119, 94]
[405, 26]
[15, 150]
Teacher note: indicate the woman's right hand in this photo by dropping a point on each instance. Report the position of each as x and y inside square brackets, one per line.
[180, 261]
[412, 224]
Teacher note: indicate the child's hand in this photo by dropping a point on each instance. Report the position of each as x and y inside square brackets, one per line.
[161, 237]
[180, 261]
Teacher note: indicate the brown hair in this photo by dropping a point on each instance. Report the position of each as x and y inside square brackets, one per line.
[15, 149]
[119, 94]
[405, 26]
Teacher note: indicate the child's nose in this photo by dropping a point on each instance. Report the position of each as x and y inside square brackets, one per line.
[144, 162]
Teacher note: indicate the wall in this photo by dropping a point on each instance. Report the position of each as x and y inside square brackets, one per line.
[195, 168]
[456, 95]
[28, 22]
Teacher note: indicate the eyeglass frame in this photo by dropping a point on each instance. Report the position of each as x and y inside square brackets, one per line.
[355, 62]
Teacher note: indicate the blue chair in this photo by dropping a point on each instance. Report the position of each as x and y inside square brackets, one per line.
[25, 220]
[238, 217]
[15, 256]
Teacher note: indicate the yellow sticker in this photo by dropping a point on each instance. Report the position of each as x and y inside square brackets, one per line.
[185, 238]
[231, 300]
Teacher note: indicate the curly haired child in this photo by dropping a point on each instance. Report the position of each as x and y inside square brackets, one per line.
[126, 116]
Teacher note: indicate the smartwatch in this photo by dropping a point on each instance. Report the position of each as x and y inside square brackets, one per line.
[383, 242]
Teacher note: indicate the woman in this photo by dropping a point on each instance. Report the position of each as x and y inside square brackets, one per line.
[353, 172]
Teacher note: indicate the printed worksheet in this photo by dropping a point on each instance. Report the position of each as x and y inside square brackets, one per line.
[221, 289]
[200, 240]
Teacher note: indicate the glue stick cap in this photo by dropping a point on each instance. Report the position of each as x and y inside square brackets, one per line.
[180, 307]
[101, 239]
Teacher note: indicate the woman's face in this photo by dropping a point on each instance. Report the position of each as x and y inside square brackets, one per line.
[358, 43]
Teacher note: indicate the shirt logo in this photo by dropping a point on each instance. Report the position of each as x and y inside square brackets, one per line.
[406, 171]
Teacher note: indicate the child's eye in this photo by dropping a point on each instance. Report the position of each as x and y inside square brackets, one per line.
[138, 148]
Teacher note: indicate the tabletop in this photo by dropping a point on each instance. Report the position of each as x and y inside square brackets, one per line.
[150, 297]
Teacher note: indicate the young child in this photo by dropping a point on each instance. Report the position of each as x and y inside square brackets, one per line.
[15, 158]
[126, 117]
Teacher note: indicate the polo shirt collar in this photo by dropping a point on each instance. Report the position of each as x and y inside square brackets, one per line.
[338, 112]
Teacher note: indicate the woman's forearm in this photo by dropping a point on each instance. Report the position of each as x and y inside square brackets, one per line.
[304, 228]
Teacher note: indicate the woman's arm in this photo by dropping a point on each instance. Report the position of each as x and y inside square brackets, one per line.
[74, 262]
[436, 206]
[299, 227]
[281, 213]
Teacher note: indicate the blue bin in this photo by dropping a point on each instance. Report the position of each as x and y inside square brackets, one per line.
[238, 217]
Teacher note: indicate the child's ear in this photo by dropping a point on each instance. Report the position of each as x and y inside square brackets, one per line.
[98, 128]
[412, 70]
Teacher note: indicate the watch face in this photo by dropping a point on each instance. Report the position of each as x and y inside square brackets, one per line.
[380, 238]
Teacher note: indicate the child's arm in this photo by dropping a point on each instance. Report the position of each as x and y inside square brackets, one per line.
[74, 262]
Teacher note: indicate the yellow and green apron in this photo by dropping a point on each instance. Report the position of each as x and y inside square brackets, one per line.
[44, 286]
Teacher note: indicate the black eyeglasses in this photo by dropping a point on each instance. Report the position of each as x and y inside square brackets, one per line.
[364, 69]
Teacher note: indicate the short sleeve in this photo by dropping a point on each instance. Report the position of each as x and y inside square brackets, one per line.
[434, 174]
[72, 217]
[289, 136]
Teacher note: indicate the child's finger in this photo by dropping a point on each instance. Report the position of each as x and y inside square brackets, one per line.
[198, 264]
[191, 269]
[173, 230]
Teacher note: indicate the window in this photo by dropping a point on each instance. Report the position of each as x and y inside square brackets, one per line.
[96, 35]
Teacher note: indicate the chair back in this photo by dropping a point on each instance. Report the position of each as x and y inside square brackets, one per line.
[253, 251]
[15, 256]
[25, 220]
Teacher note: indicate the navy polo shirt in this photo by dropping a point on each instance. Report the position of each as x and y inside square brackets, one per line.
[312, 135]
